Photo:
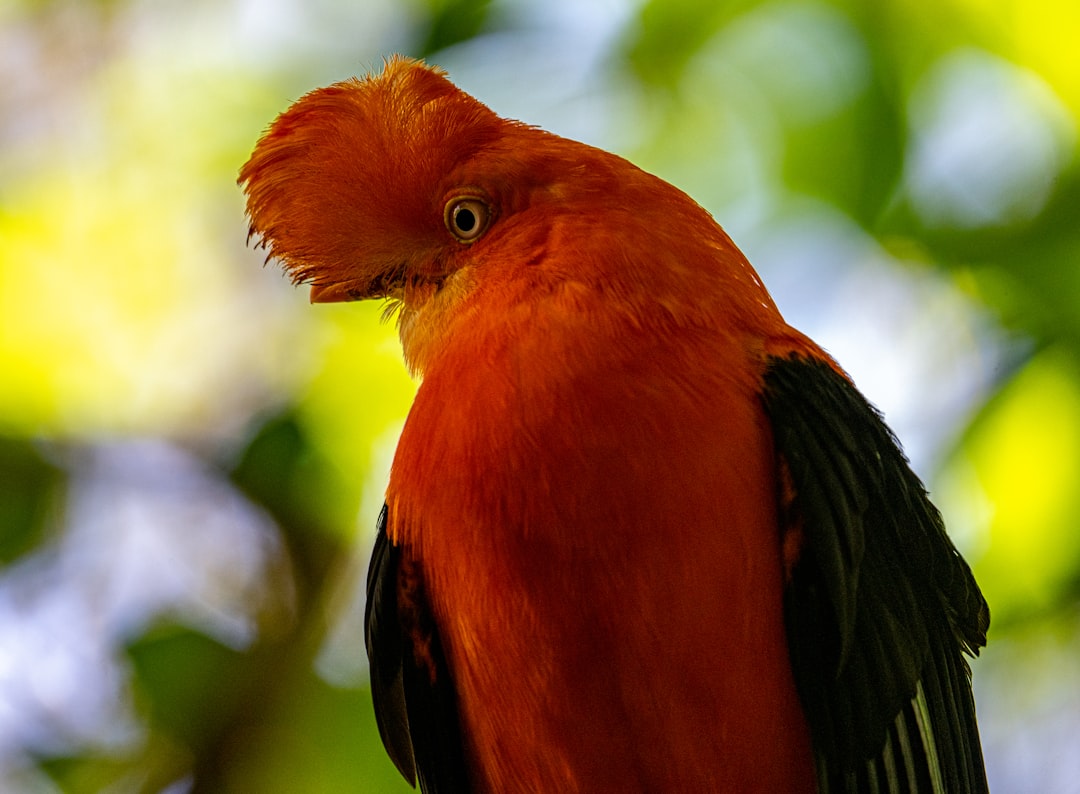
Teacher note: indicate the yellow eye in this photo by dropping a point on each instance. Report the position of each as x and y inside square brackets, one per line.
[467, 217]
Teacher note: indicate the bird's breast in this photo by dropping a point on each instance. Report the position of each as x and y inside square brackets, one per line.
[603, 559]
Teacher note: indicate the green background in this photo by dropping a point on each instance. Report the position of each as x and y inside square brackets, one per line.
[192, 457]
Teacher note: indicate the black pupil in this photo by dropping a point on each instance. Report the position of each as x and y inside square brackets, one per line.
[465, 219]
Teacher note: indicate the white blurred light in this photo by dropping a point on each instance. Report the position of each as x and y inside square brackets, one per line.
[917, 347]
[560, 78]
[807, 58]
[1027, 689]
[989, 140]
[150, 534]
[342, 660]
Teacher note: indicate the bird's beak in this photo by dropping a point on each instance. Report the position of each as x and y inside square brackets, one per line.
[333, 293]
[352, 288]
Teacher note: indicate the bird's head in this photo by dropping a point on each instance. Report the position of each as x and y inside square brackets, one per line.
[358, 187]
[403, 187]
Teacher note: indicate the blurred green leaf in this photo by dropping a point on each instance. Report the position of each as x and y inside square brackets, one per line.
[259, 720]
[320, 739]
[192, 687]
[283, 470]
[1029, 274]
[452, 22]
[29, 490]
[89, 774]
[1019, 461]
[855, 159]
[669, 33]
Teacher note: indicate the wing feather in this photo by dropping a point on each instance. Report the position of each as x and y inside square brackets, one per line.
[414, 696]
[879, 607]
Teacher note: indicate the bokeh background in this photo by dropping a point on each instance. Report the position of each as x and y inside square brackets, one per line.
[192, 457]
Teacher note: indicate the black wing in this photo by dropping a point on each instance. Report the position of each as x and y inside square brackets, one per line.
[415, 700]
[879, 605]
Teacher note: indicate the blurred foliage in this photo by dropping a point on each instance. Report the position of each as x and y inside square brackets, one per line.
[28, 496]
[1024, 453]
[452, 22]
[130, 308]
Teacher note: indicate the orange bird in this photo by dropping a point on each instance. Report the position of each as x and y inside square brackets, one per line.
[640, 535]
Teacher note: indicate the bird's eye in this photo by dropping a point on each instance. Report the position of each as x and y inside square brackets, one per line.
[467, 218]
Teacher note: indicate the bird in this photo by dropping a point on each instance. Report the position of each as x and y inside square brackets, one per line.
[639, 533]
